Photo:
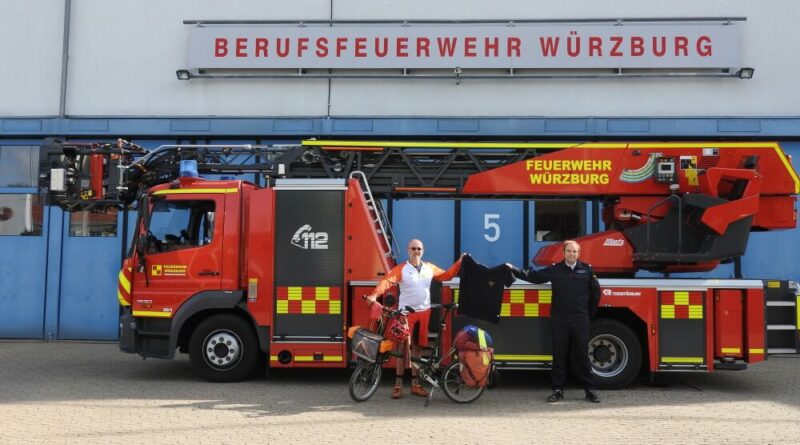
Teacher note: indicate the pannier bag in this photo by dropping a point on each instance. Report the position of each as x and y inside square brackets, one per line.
[475, 355]
[472, 338]
[366, 344]
[475, 367]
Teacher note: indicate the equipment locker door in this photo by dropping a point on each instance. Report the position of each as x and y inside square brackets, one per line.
[184, 252]
[682, 332]
[309, 256]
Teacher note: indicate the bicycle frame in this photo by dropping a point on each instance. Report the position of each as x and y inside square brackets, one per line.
[441, 371]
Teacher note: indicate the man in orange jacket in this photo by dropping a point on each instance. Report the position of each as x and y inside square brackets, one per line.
[414, 278]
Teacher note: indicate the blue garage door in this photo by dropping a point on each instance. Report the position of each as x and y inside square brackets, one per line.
[91, 253]
[23, 244]
[23, 266]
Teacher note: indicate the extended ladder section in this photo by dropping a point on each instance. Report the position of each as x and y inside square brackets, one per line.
[379, 218]
[783, 317]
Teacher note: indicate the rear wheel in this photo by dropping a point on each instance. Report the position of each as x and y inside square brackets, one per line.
[224, 348]
[454, 387]
[615, 353]
[365, 380]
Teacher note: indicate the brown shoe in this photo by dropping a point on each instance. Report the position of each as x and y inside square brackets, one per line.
[418, 390]
[397, 392]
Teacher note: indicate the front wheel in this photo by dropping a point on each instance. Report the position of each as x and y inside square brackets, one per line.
[224, 348]
[615, 353]
[454, 387]
[365, 380]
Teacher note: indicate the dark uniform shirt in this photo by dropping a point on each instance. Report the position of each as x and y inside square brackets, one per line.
[481, 289]
[576, 293]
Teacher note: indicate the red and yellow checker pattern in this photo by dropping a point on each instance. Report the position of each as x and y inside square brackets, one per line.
[523, 302]
[682, 305]
[309, 300]
[526, 303]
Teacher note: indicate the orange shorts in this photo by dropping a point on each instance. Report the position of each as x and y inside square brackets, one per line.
[421, 319]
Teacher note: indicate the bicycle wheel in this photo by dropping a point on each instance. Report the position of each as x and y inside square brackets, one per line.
[454, 387]
[365, 380]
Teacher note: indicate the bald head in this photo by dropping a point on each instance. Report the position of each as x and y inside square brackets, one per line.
[572, 250]
[415, 249]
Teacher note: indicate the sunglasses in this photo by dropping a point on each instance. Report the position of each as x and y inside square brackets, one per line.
[415, 248]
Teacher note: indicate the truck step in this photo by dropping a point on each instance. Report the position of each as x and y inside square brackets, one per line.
[736, 366]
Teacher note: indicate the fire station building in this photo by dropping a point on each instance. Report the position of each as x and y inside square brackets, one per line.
[273, 73]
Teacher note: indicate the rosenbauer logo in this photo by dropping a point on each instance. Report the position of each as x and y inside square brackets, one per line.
[306, 238]
[621, 293]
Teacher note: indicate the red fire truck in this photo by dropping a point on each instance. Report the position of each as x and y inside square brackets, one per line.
[241, 275]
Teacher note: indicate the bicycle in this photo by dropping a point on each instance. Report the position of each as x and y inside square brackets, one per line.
[440, 371]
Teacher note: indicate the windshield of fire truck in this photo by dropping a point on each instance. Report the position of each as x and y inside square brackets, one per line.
[180, 224]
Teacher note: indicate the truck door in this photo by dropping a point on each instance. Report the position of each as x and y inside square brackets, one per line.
[182, 245]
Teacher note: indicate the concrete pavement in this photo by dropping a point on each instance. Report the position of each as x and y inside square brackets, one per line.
[65, 392]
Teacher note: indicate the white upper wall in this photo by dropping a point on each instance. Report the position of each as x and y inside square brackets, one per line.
[31, 35]
[124, 53]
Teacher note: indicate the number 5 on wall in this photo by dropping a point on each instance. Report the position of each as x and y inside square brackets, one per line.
[490, 225]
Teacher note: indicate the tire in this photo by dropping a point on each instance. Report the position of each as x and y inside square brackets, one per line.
[365, 380]
[454, 387]
[224, 348]
[615, 354]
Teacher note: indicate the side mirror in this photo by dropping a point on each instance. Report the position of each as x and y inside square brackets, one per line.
[389, 300]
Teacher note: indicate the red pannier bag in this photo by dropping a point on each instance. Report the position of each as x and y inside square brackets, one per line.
[465, 342]
[475, 367]
[475, 361]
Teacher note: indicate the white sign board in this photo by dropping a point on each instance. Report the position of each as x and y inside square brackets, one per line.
[369, 46]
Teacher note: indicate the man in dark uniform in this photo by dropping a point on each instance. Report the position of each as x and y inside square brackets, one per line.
[576, 294]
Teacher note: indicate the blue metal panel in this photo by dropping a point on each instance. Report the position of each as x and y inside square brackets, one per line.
[89, 125]
[23, 263]
[382, 127]
[55, 221]
[430, 221]
[491, 231]
[89, 309]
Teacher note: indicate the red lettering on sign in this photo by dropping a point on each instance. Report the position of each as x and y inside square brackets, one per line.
[302, 46]
[573, 44]
[637, 46]
[595, 46]
[341, 45]
[381, 51]
[261, 47]
[322, 47]
[402, 47]
[469, 46]
[361, 47]
[659, 52]
[283, 50]
[447, 45]
[681, 44]
[423, 46]
[241, 47]
[704, 46]
[514, 45]
[220, 47]
[615, 52]
[549, 46]
[491, 45]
